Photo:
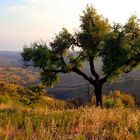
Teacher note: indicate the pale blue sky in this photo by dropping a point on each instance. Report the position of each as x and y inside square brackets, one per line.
[25, 21]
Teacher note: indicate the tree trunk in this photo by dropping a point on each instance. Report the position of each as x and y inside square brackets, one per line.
[98, 93]
[97, 83]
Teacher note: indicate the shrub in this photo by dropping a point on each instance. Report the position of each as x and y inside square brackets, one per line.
[109, 103]
[25, 101]
[33, 90]
[128, 100]
[119, 99]
[38, 90]
[7, 88]
[30, 94]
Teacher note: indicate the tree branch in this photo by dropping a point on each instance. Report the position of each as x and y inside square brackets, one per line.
[79, 57]
[104, 79]
[55, 70]
[76, 42]
[79, 72]
[131, 63]
[63, 61]
[92, 68]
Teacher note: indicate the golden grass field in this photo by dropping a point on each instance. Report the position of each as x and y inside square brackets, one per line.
[75, 124]
[51, 119]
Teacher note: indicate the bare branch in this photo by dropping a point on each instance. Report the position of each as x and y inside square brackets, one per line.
[55, 70]
[79, 72]
[104, 79]
[92, 68]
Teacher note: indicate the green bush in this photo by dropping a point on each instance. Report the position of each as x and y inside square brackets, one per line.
[30, 94]
[6, 99]
[25, 101]
[119, 99]
[109, 103]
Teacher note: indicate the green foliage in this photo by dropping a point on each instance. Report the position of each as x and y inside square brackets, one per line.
[49, 78]
[31, 94]
[93, 30]
[109, 103]
[25, 101]
[117, 46]
[118, 99]
[38, 89]
[61, 43]
[61, 55]
[121, 51]
[38, 56]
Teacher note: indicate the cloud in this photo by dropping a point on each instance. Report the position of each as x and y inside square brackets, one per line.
[68, 11]
[32, 20]
[42, 7]
[26, 8]
[49, 12]
[28, 20]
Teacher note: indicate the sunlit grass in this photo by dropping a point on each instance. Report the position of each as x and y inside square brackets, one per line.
[51, 119]
[82, 123]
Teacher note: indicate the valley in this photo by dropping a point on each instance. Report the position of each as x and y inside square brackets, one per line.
[70, 86]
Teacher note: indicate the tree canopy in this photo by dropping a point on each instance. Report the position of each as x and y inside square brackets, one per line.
[121, 52]
[118, 46]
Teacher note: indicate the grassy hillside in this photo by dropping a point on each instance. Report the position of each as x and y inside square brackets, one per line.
[25, 113]
[18, 75]
[80, 124]
[29, 97]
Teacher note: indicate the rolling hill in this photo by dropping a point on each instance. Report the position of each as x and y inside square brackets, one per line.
[10, 58]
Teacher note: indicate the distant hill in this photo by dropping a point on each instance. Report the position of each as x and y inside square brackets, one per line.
[10, 58]
[18, 75]
[11, 70]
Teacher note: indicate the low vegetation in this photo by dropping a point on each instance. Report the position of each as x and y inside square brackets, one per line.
[25, 113]
[29, 97]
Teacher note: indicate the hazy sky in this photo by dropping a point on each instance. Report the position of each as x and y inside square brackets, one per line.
[25, 21]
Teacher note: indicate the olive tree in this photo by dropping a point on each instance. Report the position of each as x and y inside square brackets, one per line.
[117, 46]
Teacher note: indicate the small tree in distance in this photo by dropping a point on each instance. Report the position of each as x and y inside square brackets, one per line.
[118, 47]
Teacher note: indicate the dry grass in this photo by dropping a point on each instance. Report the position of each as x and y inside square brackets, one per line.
[50, 119]
[75, 124]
